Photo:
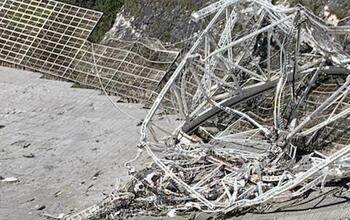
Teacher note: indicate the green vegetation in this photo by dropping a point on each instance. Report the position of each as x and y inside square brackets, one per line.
[76, 85]
[314, 5]
[109, 9]
[133, 7]
[166, 36]
[341, 11]
[189, 5]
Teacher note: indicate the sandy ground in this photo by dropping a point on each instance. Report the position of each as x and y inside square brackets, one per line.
[67, 148]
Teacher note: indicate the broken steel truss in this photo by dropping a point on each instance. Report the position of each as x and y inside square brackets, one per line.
[263, 102]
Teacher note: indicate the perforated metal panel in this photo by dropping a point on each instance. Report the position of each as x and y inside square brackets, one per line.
[42, 34]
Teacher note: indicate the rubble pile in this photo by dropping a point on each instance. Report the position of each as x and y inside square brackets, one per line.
[262, 105]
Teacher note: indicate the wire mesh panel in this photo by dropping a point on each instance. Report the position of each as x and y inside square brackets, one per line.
[50, 37]
[119, 71]
[44, 35]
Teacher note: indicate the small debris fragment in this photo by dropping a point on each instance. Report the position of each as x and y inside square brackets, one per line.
[10, 180]
[31, 155]
[57, 194]
[21, 143]
[40, 207]
[30, 200]
[49, 216]
[26, 145]
[97, 174]
[139, 123]
[89, 187]
[172, 213]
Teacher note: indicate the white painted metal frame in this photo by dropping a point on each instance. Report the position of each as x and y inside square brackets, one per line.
[200, 70]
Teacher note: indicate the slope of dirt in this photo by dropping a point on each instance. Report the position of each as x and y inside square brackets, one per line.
[170, 21]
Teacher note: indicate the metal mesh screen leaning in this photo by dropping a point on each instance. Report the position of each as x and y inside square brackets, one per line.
[43, 35]
[51, 37]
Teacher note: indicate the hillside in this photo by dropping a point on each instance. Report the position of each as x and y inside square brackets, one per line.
[169, 21]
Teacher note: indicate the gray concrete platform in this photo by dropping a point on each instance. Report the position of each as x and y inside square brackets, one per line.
[72, 134]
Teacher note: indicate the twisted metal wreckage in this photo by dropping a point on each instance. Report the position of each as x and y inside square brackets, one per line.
[263, 100]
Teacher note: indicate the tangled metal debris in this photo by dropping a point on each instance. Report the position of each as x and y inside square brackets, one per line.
[263, 100]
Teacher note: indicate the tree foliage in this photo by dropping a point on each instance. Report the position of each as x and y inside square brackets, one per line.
[109, 8]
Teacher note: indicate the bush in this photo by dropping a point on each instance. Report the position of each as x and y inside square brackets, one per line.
[109, 9]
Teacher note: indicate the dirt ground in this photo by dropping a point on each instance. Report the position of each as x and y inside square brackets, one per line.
[67, 147]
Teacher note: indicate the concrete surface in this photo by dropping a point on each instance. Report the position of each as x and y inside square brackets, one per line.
[55, 139]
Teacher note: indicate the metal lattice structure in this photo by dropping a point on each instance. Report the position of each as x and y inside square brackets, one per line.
[264, 99]
[51, 37]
